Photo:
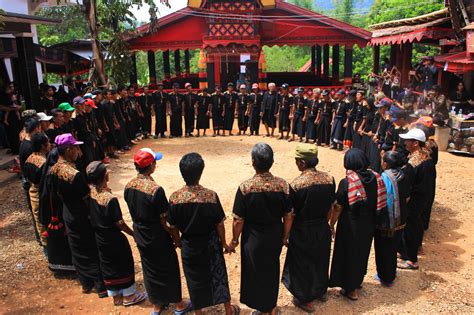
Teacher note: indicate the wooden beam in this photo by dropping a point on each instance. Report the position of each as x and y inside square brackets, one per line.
[326, 61]
[166, 64]
[318, 60]
[313, 59]
[335, 62]
[376, 59]
[186, 63]
[152, 67]
[177, 63]
[348, 65]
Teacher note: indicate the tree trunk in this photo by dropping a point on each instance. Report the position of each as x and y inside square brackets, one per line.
[90, 12]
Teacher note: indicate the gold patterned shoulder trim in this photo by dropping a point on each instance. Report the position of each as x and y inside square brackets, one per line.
[193, 194]
[64, 171]
[36, 159]
[145, 184]
[264, 183]
[102, 197]
[418, 157]
[310, 178]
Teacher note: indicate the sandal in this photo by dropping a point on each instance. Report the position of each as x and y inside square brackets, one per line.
[137, 298]
[407, 265]
[235, 309]
[189, 307]
[303, 306]
[163, 308]
[346, 294]
[103, 294]
[118, 300]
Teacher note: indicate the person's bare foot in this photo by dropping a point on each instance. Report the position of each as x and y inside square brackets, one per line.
[118, 300]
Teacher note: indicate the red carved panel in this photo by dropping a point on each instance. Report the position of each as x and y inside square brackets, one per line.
[233, 6]
[231, 29]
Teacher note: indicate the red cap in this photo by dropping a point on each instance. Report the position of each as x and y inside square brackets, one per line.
[145, 157]
[91, 103]
[137, 94]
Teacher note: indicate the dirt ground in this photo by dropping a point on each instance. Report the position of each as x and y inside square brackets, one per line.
[444, 282]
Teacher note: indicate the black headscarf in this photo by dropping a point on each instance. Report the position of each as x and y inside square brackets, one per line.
[356, 160]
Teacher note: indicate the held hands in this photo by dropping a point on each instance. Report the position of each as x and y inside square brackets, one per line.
[230, 248]
[285, 242]
[333, 232]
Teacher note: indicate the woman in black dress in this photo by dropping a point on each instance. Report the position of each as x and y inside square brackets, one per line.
[203, 112]
[256, 98]
[115, 254]
[71, 186]
[390, 223]
[360, 114]
[50, 214]
[297, 114]
[197, 213]
[359, 197]
[218, 103]
[311, 113]
[324, 119]
[176, 101]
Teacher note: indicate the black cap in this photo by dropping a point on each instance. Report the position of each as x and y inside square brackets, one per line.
[285, 86]
[95, 171]
[300, 90]
[230, 84]
[352, 92]
[341, 92]
[325, 92]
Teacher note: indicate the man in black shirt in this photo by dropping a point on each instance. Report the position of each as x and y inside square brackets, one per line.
[269, 109]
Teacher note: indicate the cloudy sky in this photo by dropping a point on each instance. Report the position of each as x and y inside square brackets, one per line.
[143, 16]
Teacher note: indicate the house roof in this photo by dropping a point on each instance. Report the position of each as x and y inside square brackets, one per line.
[28, 19]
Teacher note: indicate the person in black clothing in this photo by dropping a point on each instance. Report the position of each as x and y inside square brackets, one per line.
[156, 241]
[90, 110]
[243, 109]
[203, 111]
[83, 134]
[160, 110]
[263, 214]
[68, 124]
[324, 119]
[115, 254]
[256, 98]
[71, 187]
[298, 109]
[306, 271]
[190, 106]
[340, 115]
[123, 142]
[360, 196]
[198, 214]
[176, 101]
[390, 223]
[349, 130]
[147, 103]
[269, 109]
[360, 109]
[398, 126]
[377, 134]
[371, 119]
[311, 112]
[423, 175]
[10, 118]
[55, 127]
[218, 103]
[47, 101]
[460, 99]
[230, 108]
[32, 170]
[285, 100]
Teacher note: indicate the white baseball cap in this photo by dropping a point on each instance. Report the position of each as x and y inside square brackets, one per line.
[43, 117]
[414, 134]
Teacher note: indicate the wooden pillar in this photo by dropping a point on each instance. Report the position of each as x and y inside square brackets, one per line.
[211, 83]
[262, 71]
[406, 65]
[202, 66]
[326, 61]
[166, 64]
[26, 69]
[335, 62]
[393, 55]
[318, 60]
[133, 72]
[186, 63]
[177, 63]
[348, 65]
[217, 70]
[376, 59]
[313, 59]
[152, 67]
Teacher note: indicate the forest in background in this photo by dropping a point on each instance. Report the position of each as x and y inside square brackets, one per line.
[114, 19]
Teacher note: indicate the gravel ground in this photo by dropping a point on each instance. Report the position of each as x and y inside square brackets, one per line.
[444, 282]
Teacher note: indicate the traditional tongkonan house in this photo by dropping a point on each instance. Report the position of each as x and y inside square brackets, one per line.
[231, 35]
[449, 29]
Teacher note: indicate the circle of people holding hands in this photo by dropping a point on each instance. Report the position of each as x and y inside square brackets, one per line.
[385, 197]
